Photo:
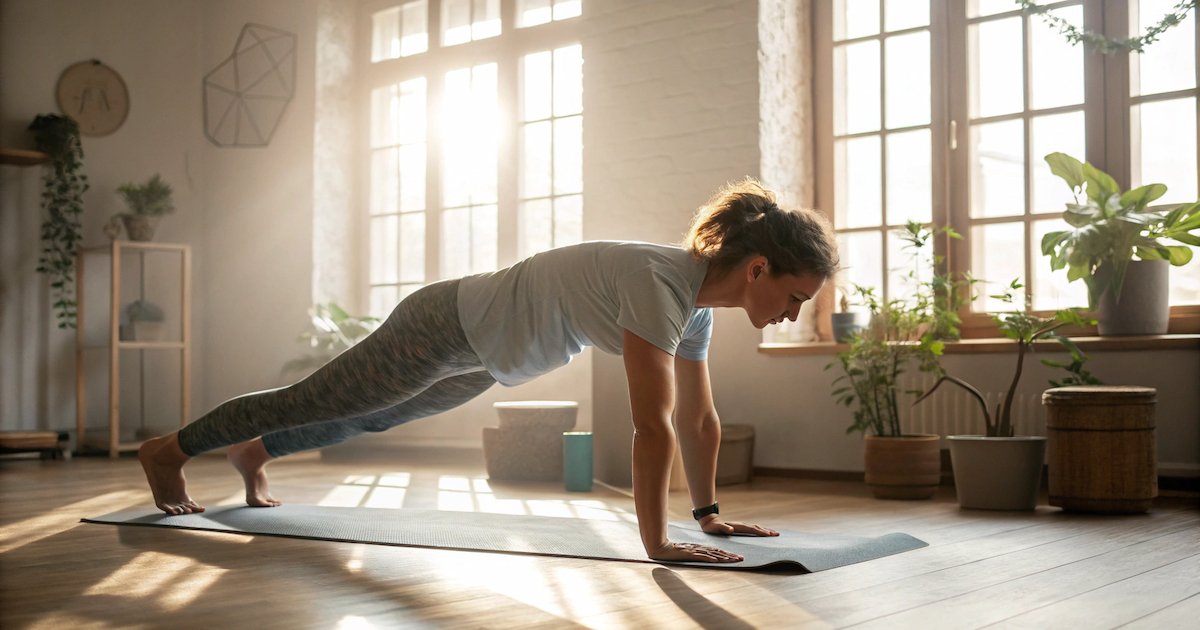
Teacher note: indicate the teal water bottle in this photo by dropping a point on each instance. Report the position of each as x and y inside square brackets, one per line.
[577, 461]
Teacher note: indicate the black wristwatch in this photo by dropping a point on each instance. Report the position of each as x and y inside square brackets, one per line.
[700, 513]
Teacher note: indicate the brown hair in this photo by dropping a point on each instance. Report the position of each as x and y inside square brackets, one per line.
[742, 220]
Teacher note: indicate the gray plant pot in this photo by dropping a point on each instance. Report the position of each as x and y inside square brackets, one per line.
[140, 227]
[997, 473]
[1144, 307]
[846, 324]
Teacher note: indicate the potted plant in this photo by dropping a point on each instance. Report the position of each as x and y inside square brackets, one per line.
[63, 185]
[902, 334]
[332, 331]
[147, 203]
[847, 323]
[999, 470]
[144, 321]
[1117, 244]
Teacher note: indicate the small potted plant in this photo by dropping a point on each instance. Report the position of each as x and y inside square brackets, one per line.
[144, 321]
[902, 334]
[999, 470]
[847, 323]
[147, 203]
[1117, 245]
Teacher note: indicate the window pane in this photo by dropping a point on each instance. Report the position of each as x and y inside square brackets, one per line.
[1170, 63]
[862, 256]
[564, 9]
[1050, 289]
[383, 300]
[533, 12]
[536, 83]
[977, 8]
[487, 19]
[568, 80]
[1056, 65]
[901, 14]
[536, 227]
[535, 160]
[858, 193]
[855, 18]
[1164, 149]
[1185, 282]
[456, 22]
[996, 77]
[856, 68]
[997, 169]
[414, 27]
[411, 111]
[385, 255]
[568, 220]
[385, 181]
[1061, 132]
[385, 113]
[412, 247]
[483, 239]
[908, 92]
[909, 177]
[905, 270]
[456, 243]
[385, 34]
[568, 155]
[469, 135]
[412, 177]
[997, 256]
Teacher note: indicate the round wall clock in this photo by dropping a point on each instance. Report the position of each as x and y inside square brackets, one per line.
[94, 96]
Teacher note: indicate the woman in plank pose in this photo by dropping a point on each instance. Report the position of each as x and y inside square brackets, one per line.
[451, 340]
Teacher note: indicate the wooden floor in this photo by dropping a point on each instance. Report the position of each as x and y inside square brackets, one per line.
[1044, 569]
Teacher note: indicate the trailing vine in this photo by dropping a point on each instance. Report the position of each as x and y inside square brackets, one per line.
[1075, 35]
[63, 186]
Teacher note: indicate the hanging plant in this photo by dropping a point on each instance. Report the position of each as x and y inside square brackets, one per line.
[63, 186]
[1095, 41]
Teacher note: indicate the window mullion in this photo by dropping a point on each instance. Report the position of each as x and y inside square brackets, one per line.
[1114, 153]
[958, 134]
[433, 152]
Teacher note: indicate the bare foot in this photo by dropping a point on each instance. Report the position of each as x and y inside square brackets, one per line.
[250, 459]
[163, 461]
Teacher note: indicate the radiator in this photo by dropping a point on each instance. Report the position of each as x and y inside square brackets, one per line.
[951, 410]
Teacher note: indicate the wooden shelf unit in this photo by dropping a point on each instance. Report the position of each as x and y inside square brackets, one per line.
[113, 444]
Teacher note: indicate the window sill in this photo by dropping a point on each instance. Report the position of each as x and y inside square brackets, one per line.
[985, 346]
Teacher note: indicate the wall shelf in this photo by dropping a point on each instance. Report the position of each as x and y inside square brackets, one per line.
[22, 157]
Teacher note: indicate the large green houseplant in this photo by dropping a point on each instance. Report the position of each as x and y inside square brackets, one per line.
[1114, 231]
[903, 334]
[63, 185]
[332, 331]
[1000, 470]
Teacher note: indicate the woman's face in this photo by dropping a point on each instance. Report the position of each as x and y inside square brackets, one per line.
[771, 299]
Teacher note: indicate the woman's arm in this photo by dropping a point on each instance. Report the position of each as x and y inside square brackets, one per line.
[700, 438]
[652, 397]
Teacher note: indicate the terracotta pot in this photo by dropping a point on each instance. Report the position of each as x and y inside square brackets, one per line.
[905, 467]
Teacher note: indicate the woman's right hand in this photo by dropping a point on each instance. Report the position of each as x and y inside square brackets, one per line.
[692, 552]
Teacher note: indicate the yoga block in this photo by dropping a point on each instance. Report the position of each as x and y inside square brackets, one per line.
[735, 460]
[557, 416]
[523, 455]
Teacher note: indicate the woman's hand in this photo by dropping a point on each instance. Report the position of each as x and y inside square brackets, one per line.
[712, 524]
[692, 552]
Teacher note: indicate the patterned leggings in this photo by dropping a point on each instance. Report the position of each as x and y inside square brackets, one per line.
[417, 364]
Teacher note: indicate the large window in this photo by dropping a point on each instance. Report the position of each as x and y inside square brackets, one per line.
[941, 112]
[475, 143]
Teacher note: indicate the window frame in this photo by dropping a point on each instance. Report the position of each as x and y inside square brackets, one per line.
[1107, 103]
[506, 51]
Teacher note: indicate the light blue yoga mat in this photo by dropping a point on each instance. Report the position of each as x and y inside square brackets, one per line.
[506, 533]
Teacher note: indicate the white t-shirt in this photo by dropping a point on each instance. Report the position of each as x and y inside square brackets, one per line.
[535, 316]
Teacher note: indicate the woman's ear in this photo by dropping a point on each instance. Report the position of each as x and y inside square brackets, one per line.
[756, 268]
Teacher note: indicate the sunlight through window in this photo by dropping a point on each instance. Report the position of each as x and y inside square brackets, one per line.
[33, 529]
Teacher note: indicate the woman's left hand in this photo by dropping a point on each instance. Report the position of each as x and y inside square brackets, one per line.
[714, 525]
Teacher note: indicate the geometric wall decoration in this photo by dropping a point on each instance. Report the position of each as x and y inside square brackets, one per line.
[245, 96]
